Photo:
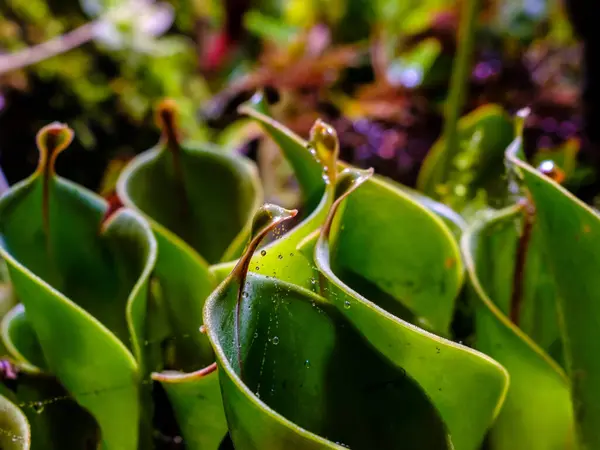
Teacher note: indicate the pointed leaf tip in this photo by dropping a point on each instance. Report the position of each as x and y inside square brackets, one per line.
[268, 217]
[52, 140]
[350, 179]
[167, 119]
[324, 140]
[347, 181]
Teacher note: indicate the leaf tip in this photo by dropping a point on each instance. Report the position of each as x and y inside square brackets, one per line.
[51, 140]
[268, 216]
[167, 119]
[349, 180]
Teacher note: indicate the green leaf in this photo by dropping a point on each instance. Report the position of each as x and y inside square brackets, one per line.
[281, 257]
[308, 169]
[57, 421]
[447, 372]
[20, 340]
[289, 266]
[174, 186]
[84, 282]
[451, 218]
[412, 269]
[478, 166]
[569, 231]
[198, 406]
[537, 413]
[14, 428]
[296, 374]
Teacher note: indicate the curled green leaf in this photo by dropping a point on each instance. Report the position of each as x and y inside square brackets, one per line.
[360, 285]
[57, 422]
[85, 293]
[295, 374]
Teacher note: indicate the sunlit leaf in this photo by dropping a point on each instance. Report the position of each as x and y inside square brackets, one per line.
[447, 372]
[296, 374]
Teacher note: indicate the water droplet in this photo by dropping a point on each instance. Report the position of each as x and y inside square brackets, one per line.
[255, 335]
[203, 329]
[38, 407]
[275, 340]
[313, 281]
[307, 364]
[245, 294]
[291, 254]
[257, 394]
[263, 252]
[280, 256]
[257, 268]
[347, 304]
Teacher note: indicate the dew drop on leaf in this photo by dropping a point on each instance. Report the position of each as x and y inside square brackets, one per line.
[257, 268]
[38, 407]
[280, 256]
[307, 364]
[347, 304]
[275, 340]
[263, 252]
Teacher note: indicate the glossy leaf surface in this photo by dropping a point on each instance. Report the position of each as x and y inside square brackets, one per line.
[447, 372]
[92, 278]
[173, 185]
[310, 177]
[537, 413]
[314, 163]
[569, 231]
[57, 421]
[296, 374]
[15, 431]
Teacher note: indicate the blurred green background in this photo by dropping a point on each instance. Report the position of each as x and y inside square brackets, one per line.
[377, 70]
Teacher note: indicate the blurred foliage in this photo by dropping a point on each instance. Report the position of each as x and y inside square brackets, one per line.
[383, 66]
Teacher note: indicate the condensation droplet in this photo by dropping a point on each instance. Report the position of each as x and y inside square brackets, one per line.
[203, 329]
[263, 252]
[257, 268]
[255, 335]
[291, 254]
[307, 364]
[313, 281]
[347, 304]
[280, 256]
[38, 407]
[257, 394]
[275, 340]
